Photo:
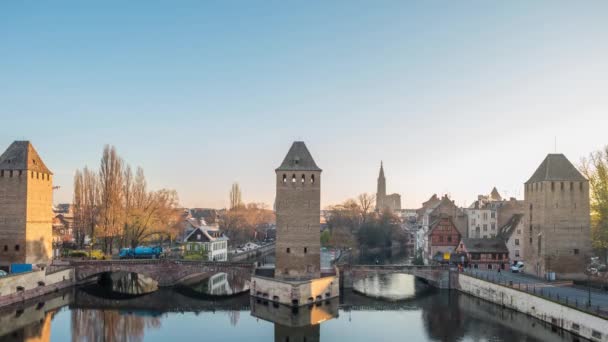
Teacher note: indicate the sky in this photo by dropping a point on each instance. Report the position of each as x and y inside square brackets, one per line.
[454, 97]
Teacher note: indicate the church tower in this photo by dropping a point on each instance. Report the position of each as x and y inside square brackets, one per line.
[298, 210]
[26, 199]
[381, 189]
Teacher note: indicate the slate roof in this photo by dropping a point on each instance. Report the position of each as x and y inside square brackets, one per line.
[494, 245]
[298, 159]
[21, 155]
[556, 167]
[507, 230]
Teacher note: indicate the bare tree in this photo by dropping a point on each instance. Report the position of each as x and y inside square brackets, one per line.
[366, 203]
[235, 196]
[111, 195]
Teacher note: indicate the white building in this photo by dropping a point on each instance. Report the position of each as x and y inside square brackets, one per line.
[482, 223]
[513, 235]
[208, 241]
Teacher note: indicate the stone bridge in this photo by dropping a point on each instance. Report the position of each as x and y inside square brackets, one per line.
[166, 272]
[438, 276]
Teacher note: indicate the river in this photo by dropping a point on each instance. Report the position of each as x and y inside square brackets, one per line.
[387, 308]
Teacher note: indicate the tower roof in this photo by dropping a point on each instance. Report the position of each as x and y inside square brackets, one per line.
[556, 167]
[495, 195]
[21, 155]
[381, 170]
[298, 159]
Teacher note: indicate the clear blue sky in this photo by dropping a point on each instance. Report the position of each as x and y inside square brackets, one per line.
[455, 97]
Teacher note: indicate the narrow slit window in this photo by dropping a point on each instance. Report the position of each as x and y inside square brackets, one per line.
[312, 179]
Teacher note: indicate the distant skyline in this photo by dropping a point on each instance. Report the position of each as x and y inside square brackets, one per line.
[454, 97]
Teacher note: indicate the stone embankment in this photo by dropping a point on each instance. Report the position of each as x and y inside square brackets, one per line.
[20, 287]
[584, 324]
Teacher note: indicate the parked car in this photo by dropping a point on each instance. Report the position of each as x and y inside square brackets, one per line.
[3, 273]
[518, 267]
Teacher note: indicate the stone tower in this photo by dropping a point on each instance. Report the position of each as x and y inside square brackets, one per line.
[298, 210]
[557, 219]
[26, 195]
[381, 189]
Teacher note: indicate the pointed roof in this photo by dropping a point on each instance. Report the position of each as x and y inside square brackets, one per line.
[556, 167]
[495, 195]
[298, 159]
[381, 170]
[21, 155]
[507, 230]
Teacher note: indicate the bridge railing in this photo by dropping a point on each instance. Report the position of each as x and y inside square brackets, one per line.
[160, 262]
[542, 290]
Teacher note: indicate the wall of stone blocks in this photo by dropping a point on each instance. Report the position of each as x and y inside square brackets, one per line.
[298, 210]
[560, 212]
[304, 292]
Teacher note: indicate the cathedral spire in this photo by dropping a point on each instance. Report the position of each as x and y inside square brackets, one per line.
[381, 170]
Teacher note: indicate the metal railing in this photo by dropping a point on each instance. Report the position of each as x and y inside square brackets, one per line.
[542, 290]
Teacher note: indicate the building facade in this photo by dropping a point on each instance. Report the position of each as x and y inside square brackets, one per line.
[298, 210]
[443, 238]
[383, 201]
[557, 219]
[26, 202]
[487, 254]
[512, 234]
[482, 223]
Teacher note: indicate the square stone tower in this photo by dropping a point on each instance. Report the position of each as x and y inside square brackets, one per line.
[557, 219]
[26, 200]
[298, 210]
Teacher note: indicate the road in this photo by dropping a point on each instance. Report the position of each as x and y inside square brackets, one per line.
[574, 294]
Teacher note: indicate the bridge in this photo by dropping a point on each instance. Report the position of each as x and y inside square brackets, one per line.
[164, 271]
[438, 276]
[169, 272]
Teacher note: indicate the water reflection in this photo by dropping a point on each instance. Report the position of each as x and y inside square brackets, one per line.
[220, 284]
[111, 325]
[390, 286]
[127, 283]
[168, 314]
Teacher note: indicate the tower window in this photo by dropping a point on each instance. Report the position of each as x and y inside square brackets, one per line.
[576, 251]
[17, 248]
[571, 186]
[581, 186]
[293, 178]
[6, 248]
[32, 174]
[288, 250]
[303, 179]
[284, 178]
[20, 173]
[552, 186]
[312, 179]
[2, 173]
[562, 186]
[11, 173]
[305, 250]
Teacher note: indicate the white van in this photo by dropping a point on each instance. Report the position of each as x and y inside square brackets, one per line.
[518, 267]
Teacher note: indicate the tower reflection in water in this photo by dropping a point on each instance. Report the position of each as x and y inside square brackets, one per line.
[295, 324]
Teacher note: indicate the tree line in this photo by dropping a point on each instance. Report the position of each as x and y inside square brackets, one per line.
[595, 168]
[355, 224]
[115, 208]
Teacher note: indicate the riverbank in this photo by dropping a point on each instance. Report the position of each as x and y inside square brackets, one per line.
[581, 323]
[21, 287]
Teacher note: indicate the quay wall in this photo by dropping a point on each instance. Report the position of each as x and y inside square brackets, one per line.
[23, 286]
[575, 321]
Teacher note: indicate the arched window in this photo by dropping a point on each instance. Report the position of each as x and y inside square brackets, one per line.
[284, 178]
[17, 247]
[303, 179]
[312, 179]
[293, 178]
